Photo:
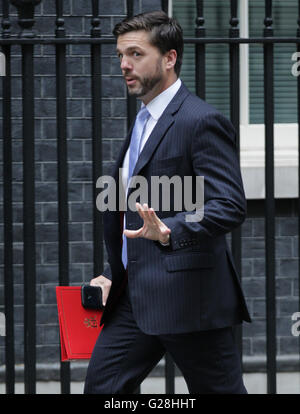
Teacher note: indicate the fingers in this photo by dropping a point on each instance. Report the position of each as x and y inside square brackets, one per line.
[105, 293]
[151, 218]
[147, 214]
[153, 228]
[142, 210]
[131, 234]
[105, 285]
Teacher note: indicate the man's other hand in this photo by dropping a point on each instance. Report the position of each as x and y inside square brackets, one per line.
[105, 285]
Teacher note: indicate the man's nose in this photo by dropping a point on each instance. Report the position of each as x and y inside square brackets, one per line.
[125, 64]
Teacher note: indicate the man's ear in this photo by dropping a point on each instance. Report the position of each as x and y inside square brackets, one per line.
[170, 59]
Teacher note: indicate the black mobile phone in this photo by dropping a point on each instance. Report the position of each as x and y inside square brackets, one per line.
[91, 297]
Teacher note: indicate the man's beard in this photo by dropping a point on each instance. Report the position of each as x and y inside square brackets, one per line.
[147, 84]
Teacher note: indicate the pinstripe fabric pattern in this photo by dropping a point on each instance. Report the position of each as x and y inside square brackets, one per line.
[192, 284]
[124, 355]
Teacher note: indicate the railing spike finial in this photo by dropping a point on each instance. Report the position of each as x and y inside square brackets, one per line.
[26, 15]
[96, 23]
[200, 29]
[268, 21]
[60, 22]
[5, 20]
[234, 20]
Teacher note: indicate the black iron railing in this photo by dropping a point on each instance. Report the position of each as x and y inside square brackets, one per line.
[28, 41]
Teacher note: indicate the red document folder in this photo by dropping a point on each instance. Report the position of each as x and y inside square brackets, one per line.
[79, 327]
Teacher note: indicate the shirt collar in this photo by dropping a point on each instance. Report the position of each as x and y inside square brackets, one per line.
[157, 106]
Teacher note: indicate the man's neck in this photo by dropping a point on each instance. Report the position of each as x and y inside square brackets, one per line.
[160, 88]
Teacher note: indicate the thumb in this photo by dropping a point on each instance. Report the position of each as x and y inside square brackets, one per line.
[105, 293]
[132, 233]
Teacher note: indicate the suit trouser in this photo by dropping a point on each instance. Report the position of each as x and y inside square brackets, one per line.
[123, 357]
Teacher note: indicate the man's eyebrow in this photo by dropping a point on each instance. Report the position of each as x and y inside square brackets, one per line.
[130, 49]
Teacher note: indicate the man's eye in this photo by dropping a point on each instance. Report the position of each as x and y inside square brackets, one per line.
[120, 56]
[136, 54]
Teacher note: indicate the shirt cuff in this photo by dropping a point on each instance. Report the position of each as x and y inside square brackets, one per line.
[165, 244]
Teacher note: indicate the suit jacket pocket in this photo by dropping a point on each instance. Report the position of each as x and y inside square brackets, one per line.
[188, 261]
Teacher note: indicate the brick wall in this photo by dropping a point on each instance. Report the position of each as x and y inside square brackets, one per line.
[286, 265]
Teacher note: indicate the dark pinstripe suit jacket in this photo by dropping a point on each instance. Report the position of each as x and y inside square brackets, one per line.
[192, 284]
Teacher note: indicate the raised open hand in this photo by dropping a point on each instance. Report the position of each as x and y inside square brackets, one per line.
[153, 228]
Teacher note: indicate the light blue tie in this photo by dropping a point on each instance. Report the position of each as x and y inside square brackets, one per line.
[134, 151]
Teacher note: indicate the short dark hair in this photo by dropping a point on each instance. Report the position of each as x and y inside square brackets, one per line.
[166, 32]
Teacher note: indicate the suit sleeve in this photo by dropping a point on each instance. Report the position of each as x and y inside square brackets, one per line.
[107, 272]
[214, 156]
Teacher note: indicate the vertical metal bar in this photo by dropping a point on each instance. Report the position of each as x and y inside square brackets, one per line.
[29, 220]
[129, 7]
[7, 212]
[131, 103]
[269, 201]
[62, 172]
[298, 112]
[165, 6]
[169, 364]
[234, 53]
[234, 32]
[131, 100]
[26, 21]
[200, 51]
[97, 134]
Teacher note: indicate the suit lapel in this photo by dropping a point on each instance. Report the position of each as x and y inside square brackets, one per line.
[160, 129]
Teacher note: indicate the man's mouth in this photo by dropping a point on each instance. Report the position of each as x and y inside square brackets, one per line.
[130, 81]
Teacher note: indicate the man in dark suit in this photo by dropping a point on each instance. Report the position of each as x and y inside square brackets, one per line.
[170, 284]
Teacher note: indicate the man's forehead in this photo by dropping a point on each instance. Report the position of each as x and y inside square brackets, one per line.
[139, 38]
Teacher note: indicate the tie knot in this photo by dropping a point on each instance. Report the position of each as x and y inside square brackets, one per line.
[143, 114]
